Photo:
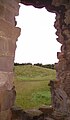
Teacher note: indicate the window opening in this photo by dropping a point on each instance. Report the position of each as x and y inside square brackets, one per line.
[36, 44]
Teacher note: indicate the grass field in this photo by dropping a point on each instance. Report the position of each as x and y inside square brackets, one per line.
[31, 84]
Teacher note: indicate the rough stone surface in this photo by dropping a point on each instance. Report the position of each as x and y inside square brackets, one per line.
[60, 90]
[7, 98]
[8, 36]
[6, 80]
[5, 115]
[34, 114]
[48, 118]
[19, 114]
[47, 110]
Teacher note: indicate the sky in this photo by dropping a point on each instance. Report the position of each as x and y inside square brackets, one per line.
[37, 42]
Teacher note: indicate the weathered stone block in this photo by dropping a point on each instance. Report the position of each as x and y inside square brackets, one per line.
[7, 98]
[8, 31]
[68, 57]
[61, 66]
[68, 118]
[9, 16]
[67, 83]
[7, 47]
[2, 9]
[11, 47]
[34, 114]
[17, 113]
[67, 17]
[60, 56]
[6, 80]
[6, 14]
[11, 5]
[59, 2]
[47, 110]
[67, 33]
[5, 115]
[7, 63]
[48, 118]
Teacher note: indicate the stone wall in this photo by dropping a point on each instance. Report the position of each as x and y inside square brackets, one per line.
[8, 36]
[61, 87]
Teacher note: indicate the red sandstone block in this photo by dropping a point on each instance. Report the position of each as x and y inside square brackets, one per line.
[7, 63]
[7, 99]
[7, 47]
[8, 31]
[12, 5]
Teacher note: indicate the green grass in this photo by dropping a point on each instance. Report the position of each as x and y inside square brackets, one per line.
[31, 84]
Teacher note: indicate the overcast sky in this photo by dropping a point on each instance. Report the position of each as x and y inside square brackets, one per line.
[37, 42]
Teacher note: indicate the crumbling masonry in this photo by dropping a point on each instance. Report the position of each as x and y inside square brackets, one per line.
[60, 89]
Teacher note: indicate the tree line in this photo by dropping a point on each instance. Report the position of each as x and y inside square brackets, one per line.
[50, 66]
